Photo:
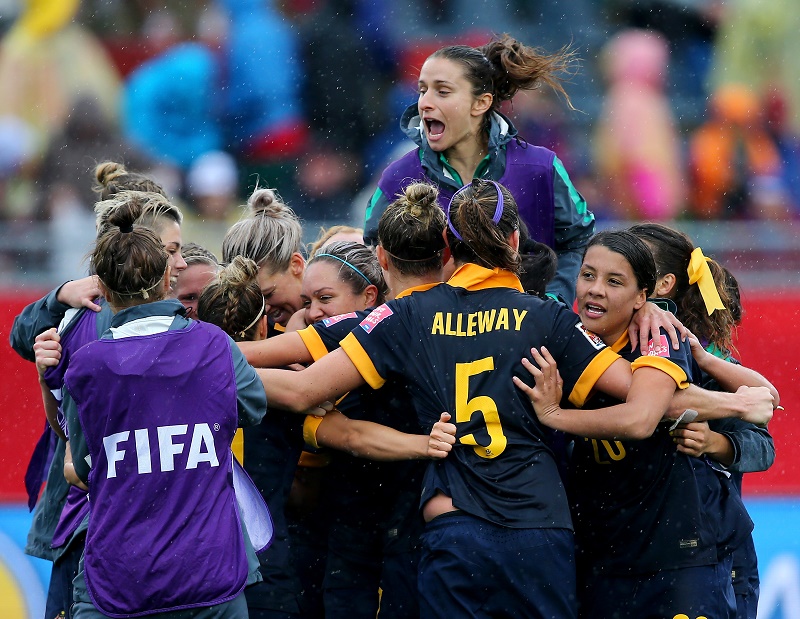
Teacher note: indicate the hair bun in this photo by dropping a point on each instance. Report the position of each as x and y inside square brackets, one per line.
[240, 273]
[420, 197]
[265, 201]
[107, 171]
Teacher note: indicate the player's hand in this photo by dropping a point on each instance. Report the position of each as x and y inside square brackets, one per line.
[442, 437]
[321, 410]
[81, 293]
[757, 404]
[47, 350]
[647, 323]
[545, 396]
[693, 439]
[297, 322]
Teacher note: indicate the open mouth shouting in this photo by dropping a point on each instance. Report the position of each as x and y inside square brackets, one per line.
[434, 129]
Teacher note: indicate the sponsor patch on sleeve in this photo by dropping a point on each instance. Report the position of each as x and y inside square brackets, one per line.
[593, 338]
[658, 349]
[334, 319]
[377, 315]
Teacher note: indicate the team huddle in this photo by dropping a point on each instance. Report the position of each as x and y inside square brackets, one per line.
[410, 424]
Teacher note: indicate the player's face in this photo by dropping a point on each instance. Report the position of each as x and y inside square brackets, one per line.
[446, 105]
[325, 294]
[607, 292]
[170, 233]
[190, 284]
[281, 293]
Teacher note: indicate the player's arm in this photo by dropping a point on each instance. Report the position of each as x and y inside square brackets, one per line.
[650, 394]
[325, 380]
[365, 439]
[79, 450]
[69, 470]
[278, 351]
[730, 376]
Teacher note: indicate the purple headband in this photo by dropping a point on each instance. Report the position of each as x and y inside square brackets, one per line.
[498, 212]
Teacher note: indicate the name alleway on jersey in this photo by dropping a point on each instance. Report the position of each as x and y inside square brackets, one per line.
[470, 324]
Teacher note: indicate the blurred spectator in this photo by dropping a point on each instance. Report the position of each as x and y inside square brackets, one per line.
[47, 63]
[787, 141]
[212, 184]
[636, 146]
[736, 169]
[344, 67]
[263, 78]
[170, 108]
[758, 46]
[689, 27]
[17, 149]
[65, 173]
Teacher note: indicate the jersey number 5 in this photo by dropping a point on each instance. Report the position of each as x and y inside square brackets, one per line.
[466, 407]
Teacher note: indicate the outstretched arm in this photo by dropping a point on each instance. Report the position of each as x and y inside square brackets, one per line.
[374, 441]
[730, 376]
[325, 380]
[275, 352]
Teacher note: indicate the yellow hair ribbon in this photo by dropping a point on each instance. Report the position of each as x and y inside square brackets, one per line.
[700, 274]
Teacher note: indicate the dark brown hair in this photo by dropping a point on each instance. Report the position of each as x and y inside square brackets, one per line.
[505, 66]
[538, 268]
[149, 209]
[129, 260]
[672, 251]
[410, 230]
[483, 241]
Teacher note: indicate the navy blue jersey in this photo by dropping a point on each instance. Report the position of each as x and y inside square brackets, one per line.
[638, 505]
[458, 345]
[366, 490]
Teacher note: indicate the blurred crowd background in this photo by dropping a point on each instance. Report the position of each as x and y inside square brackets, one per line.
[686, 110]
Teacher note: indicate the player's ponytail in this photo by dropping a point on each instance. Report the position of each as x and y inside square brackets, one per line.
[129, 260]
[410, 231]
[672, 251]
[480, 218]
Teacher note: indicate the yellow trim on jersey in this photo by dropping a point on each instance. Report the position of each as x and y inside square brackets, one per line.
[474, 277]
[361, 360]
[313, 342]
[310, 426]
[583, 387]
[311, 460]
[279, 328]
[237, 446]
[667, 366]
[420, 288]
[621, 343]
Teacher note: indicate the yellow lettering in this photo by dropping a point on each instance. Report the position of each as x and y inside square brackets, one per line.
[502, 319]
[518, 318]
[448, 329]
[485, 321]
[438, 324]
[472, 320]
[459, 330]
[616, 451]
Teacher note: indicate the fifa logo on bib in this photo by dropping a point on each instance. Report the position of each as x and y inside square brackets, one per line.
[201, 448]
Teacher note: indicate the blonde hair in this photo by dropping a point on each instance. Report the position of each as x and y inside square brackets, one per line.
[269, 235]
[326, 234]
[148, 209]
[112, 177]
